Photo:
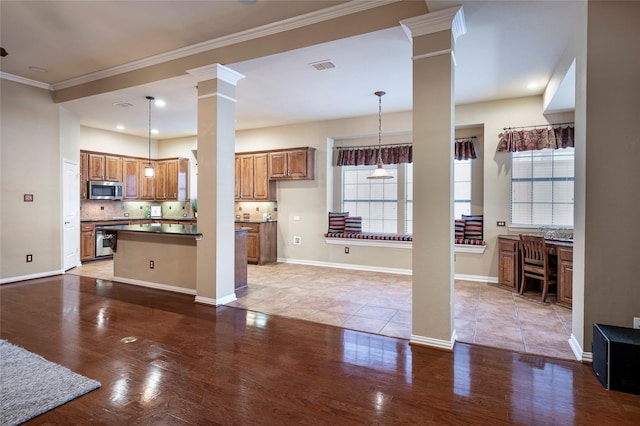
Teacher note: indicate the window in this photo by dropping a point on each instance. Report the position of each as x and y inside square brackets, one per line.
[375, 200]
[542, 187]
[462, 188]
[408, 210]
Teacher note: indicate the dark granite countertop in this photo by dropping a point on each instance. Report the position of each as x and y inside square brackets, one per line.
[118, 219]
[174, 229]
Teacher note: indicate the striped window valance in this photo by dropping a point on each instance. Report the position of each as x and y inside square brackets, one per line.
[555, 137]
[368, 155]
[465, 149]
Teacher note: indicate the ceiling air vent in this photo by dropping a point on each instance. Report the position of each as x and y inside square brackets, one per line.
[122, 104]
[323, 65]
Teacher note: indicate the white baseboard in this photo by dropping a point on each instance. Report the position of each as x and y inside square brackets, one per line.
[215, 302]
[577, 350]
[434, 343]
[31, 276]
[346, 266]
[478, 278]
[157, 286]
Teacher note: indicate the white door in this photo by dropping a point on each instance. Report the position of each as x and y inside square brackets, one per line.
[70, 214]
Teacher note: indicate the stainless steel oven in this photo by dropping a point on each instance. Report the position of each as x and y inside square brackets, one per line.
[103, 242]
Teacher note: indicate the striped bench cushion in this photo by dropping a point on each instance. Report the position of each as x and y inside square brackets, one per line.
[362, 236]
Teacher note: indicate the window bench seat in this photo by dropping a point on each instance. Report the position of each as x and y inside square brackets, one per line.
[397, 241]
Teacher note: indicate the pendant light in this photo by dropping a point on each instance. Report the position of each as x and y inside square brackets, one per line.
[380, 172]
[148, 170]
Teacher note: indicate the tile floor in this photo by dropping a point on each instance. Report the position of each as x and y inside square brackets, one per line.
[380, 303]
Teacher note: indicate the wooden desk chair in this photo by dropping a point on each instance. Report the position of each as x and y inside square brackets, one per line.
[535, 264]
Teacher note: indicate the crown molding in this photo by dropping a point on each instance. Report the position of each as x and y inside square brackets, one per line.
[445, 19]
[209, 72]
[27, 81]
[251, 34]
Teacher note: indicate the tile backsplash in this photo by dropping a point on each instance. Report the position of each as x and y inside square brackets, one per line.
[255, 210]
[97, 209]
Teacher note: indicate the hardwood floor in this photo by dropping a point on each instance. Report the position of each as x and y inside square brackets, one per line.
[380, 303]
[196, 364]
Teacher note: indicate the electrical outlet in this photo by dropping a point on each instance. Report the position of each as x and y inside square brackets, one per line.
[29, 258]
[346, 250]
[152, 264]
[501, 223]
[297, 240]
[636, 322]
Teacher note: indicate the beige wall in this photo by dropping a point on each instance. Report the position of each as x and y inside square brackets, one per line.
[311, 200]
[612, 156]
[92, 139]
[493, 117]
[31, 164]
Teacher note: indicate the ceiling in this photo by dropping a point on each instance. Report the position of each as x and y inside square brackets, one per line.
[507, 46]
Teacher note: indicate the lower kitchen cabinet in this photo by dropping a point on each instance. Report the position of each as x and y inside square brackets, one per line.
[262, 242]
[508, 263]
[565, 276]
[87, 241]
[510, 271]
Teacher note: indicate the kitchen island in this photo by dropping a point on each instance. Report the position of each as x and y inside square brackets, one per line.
[157, 256]
[162, 256]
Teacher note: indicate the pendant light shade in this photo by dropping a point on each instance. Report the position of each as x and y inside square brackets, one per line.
[148, 170]
[380, 172]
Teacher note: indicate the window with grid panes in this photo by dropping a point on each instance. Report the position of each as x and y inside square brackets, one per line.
[408, 211]
[375, 200]
[461, 188]
[542, 187]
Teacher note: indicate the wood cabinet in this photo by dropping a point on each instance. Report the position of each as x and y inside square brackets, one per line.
[565, 276]
[298, 163]
[147, 183]
[509, 268]
[105, 167]
[252, 173]
[508, 263]
[87, 241]
[262, 242]
[238, 177]
[131, 178]
[84, 175]
[171, 179]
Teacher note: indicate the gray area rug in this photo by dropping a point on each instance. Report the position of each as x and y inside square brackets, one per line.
[30, 385]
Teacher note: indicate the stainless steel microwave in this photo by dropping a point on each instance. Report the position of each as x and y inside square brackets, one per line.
[104, 190]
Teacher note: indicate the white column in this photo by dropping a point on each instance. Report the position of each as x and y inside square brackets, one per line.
[433, 36]
[216, 150]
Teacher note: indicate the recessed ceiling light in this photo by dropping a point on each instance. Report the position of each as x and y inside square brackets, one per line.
[159, 103]
[37, 69]
[122, 104]
[120, 127]
[533, 85]
[154, 131]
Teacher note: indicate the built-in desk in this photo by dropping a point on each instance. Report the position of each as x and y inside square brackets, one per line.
[509, 268]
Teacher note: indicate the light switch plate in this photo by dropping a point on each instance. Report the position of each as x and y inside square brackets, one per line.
[636, 322]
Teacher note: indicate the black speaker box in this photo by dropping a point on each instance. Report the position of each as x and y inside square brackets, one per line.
[616, 357]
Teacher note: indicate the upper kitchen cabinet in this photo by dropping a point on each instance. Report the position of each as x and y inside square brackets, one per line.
[105, 167]
[296, 163]
[171, 179]
[147, 183]
[84, 175]
[252, 177]
[131, 178]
